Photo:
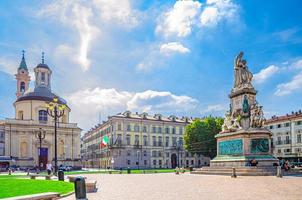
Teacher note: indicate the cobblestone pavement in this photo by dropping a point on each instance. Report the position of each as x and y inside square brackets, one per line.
[193, 187]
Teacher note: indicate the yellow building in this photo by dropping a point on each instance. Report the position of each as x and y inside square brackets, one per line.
[19, 144]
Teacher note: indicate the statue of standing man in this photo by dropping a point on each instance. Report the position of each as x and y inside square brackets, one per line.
[243, 76]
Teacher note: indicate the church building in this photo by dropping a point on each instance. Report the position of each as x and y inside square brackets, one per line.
[19, 136]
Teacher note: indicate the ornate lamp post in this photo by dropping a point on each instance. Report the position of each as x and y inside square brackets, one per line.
[40, 135]
[55, 110]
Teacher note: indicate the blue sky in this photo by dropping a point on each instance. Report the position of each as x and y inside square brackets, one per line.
[169, 57]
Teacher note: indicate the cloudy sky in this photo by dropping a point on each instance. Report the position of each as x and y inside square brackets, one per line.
[169, 57]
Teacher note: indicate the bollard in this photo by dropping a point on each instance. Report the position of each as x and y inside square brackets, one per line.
[279, 172]
[61, 175]
[80, 188]
[234, 173]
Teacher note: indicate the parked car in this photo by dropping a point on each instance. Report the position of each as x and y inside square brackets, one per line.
[65, 168]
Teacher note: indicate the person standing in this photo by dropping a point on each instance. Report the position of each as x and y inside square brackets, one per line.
[49, 168]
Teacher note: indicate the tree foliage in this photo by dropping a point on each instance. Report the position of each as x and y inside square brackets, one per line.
[200, 136]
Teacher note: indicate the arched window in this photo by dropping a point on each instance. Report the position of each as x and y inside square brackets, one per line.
[22, 87]
[43, 116]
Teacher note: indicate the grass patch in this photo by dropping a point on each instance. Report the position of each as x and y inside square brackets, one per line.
[11, 187]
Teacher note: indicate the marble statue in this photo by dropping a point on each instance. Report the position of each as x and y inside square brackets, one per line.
[257, 118]
[230, 123]
[243, 76]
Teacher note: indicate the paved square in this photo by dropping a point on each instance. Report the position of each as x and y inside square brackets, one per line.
[193, 187]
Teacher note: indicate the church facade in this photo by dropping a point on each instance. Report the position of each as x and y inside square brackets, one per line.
[19, 141]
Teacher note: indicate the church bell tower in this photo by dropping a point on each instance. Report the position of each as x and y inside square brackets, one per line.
[22, 77]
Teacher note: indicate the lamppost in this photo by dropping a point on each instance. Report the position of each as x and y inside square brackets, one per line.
[55, 110]
[178, 147]
[40, 135]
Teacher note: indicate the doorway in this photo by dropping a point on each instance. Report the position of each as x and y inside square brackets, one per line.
[43, 157]
[173, 161]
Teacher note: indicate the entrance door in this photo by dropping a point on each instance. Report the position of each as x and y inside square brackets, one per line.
[173, 161]
[43, 157]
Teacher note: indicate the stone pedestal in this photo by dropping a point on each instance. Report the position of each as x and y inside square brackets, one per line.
[237, 149]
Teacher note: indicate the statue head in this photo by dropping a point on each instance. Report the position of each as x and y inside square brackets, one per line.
[244, 62]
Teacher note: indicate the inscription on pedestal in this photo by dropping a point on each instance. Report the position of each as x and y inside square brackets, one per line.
[231, 147]
[259, 145]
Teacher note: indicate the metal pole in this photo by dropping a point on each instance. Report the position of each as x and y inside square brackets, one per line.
[56, 156]
[40, 139]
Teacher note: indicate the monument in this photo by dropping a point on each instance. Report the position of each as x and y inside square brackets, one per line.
[243, 138]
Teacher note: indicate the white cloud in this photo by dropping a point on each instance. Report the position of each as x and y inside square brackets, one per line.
[297, 64]
[173, 47]
[218, 10]
[180, 19]
[265, 74]
[118, 11]
[291, 86]
[214, 108]
[88, 18]
[88, 103]
[8, 66]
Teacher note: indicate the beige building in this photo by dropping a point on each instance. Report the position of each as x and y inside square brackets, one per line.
[139, 141]
[19, 145]
[287, 133]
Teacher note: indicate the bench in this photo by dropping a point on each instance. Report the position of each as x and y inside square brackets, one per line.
[90, 186]
[41, 196]
[33, 176]
[72, 178]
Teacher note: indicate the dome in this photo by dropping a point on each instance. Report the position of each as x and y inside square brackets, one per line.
[43, 65]
[41, 93]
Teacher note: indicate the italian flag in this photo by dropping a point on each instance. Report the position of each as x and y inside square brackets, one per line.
[105, 141]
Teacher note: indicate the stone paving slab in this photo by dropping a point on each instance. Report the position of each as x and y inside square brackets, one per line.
[193, 187]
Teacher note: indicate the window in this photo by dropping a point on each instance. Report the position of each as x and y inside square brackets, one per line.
[167, 130]
[180, 141]
[128, 127]
[287, 140]
[22, 87]
[180, 130]
[298, 122]
[128, 153]
[159, 141]
[286, 124]
[192, 162]
[159, 162]
[271, 127]
[2, 149]
[279, 125]
[43, 77]
[154, 140]
[145, 153]
[174, 141]
[42, 115]
[159, 154]
[279, 142]
[167, 155]
[279, 150]
[20, 114]
[128, 139]
[153, 153]
[173, 130]
[154, 129]
[145, 141]
[287, 150]
[136, 128]
[154, 162]
[187, 162]
[299, 138]
[167, 141]
[145, 162]
[159, 130]
[119, 127]
[119, 139]
[129, 162]
[145, 129]
[136, 140]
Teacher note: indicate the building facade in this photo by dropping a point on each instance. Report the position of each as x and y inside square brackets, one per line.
[19, 144]
[139, 141]
[287, 133]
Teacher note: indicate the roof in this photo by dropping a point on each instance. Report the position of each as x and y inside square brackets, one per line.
[23, 64]
[287, 117]
[41, 93]
[42, 65]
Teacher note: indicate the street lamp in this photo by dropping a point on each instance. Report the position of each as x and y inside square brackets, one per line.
[40, 135]
[55, 110]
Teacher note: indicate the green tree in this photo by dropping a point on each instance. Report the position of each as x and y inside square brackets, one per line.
[200, 136]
